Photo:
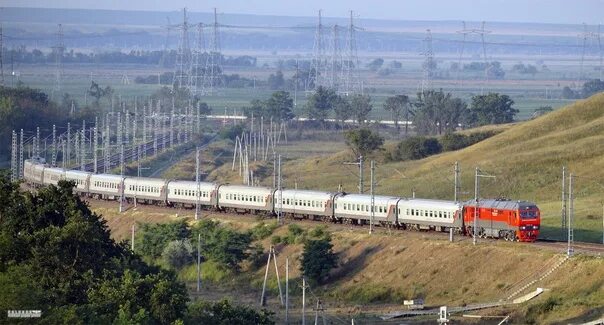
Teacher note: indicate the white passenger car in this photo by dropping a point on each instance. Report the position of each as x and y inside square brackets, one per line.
[245, 197]
[33, 172]
[80, 178]
[304, 202]
[425, 213]
[184, 192]
[52, 176]
[106, 185]
[358, 207]
[144, 188]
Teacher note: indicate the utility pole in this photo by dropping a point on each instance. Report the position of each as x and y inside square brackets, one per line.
[474, 31]
[198, 262]
[317, 63]
[303, 300]
[271, 254]
[477, 206]
[280, 189]
[287, 289]
[132, 241]
[360, 164]
[21, 145]
[563, 212]
[352, 82]
[14, 161]
[53, 156]
[372, 197]
[571, 211]
[1, 58]
[121, 209]
[457, 183]
[197, 189]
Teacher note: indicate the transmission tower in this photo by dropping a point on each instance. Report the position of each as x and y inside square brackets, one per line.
[316, 78]
[350, 66]
[335, 66]
[58, 50]
[197, 67]
[428, 64]
[1, 58]
[182, 71]
[473, 31]
[589, 37]
[213, 70]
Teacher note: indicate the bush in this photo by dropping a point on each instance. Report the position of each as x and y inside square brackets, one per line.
[152, 239]
[178, 253]
[223, 312]
[262, 230]
[318, 259]
[232, 132]
[453, 141]
[418, 147]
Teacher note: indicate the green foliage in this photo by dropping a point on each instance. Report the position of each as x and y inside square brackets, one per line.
[542, 111]
[342, 109]
[178, 253]
[278, 107]
[454, 141]
[363, 141]
[399, 106]
[360, 106]
[538, 309]
[375, 64]
[262, 230]
[320, 103]
[592, 87]
[492, 109]
[568, 93]
[97, 92]
[221, 244]
[438, 112]
[318, 259]
[58, 256]
[225, 313]
[232, 132]
[151, 239]
[417, 147]
[276, 81]
[25, 108]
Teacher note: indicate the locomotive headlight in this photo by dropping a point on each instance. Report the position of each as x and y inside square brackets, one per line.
[522, 227]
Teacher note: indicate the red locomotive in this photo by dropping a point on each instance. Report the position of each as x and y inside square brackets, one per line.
[510, 220]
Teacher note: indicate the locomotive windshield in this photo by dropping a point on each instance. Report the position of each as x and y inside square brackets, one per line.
[529, 214]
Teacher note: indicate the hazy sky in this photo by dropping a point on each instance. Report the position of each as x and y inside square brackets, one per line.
[548, 11]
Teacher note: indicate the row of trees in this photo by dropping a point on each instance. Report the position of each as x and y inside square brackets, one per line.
[164, 58]
[433, 112]
[589, 88]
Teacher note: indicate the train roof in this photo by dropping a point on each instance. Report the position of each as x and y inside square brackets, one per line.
[306, 193]
[190, 183]
[106, 177]
[77, 172]
[501, 204]
[245, 188]
[358, 198]
[431, 203]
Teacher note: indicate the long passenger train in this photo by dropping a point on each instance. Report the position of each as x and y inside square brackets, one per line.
[510, 220]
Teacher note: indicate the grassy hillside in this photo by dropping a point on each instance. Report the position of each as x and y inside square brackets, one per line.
[376, 273]
[526, 158]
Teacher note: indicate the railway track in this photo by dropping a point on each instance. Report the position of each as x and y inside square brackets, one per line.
[578, 247]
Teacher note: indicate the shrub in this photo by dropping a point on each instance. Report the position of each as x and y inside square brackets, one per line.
[318, 259]
[262, 230]
[453, 141]
[418, 147]
[178, 253]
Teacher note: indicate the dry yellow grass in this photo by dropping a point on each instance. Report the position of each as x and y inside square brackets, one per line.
[526, 158]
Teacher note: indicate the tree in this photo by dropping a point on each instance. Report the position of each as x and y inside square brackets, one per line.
[360, 106]
[568, 93]
[178, 253]
[151, 239]
[58, 252]
[318, 259]
[376, 64]
[276, 81]
[320, 103]
[398, 105]
[592, 87]
[279, 106]
[437, 112]
[221, 244]
[492, 109]
[362, 142]
[342, 110]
